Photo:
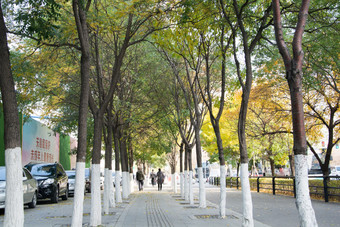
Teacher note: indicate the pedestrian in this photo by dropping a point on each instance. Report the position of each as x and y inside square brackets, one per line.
[140, 179]
[160, 179]
[153, 178]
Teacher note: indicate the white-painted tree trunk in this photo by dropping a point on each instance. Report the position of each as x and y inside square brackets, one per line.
[96, 208]
[247, 219]
[129, 183]
[174, 183]
[112, 202]
[182, 184]
[125, 182]
[14, 209]
[223, 191]
[202, 195]
[106, 195]
[191, 192]
[132, 185]
[77, 215]
[303, 202]
[118, 188]
[186, 186]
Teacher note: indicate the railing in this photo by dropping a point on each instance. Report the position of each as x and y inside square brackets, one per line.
[325, 187]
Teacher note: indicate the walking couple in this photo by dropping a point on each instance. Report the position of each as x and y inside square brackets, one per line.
[160, 179]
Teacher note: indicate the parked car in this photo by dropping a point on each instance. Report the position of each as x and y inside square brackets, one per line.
[114, 179]
[71, 181]
[52, 180]
[88, 180]
[335, 171]
[30, 188]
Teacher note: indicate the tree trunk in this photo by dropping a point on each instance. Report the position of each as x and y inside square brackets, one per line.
[325, 166]
[83, 35]
[291, 163]
[124, 163]
[117, 163]
[202, 195]
[130, 150]
[181, 170]
[14, 211]
[95, 216]
[186, 182]
[272, 166]
[223, 190]
[108, 184]
[191, 193]
[246, 194]
[303, 202]
[293, 68]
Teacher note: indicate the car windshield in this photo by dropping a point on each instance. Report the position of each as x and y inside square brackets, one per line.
[338, 168]
[43, 170]
[2, 174]
[71, 175]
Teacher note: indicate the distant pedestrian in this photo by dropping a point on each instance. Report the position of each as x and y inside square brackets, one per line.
[160, 179]
[140, 179]
[153, 178]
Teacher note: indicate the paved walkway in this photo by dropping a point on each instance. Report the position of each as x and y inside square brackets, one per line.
[150, 208]
[164, 209]
[154, 208]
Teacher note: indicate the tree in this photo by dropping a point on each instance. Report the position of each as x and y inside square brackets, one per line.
[228, 128]
[80, 10]
[237, 15]
[187, 119]
[293, 67]
[268, 122]
[109, 200]
[322, 108]
[210, 51]
[14, 214]
[322, 79]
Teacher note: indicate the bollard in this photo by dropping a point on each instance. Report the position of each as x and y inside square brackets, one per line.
[258, 184]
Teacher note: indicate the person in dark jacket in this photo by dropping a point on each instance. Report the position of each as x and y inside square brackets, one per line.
[160, 179]
[153, 178]
[140, 179]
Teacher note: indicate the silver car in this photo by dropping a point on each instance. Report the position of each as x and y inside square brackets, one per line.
[30, 188]
[71, 181]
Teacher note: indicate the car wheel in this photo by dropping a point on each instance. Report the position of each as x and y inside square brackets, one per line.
[65, 197]
[55, 196]
[33, 203]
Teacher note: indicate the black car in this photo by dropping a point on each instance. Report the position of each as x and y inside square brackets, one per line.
[52, 180]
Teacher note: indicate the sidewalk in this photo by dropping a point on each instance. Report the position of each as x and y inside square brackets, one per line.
[150, 208]
[166, 209]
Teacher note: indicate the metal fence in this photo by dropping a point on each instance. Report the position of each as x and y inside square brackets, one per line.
[325, 187]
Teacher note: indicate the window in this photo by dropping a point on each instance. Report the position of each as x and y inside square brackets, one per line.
[28, 175]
